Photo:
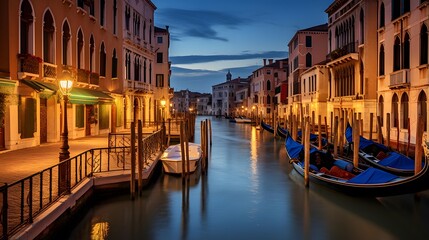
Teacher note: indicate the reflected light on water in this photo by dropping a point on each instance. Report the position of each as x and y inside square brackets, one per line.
[100, 231]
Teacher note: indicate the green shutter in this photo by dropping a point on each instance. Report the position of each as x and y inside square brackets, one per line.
[80, 116]
[103, 116]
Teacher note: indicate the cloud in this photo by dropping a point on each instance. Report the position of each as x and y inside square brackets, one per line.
[202, 80]
[198, 23]
[212, 58]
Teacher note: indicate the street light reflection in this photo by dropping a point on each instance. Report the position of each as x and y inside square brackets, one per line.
[100, 230]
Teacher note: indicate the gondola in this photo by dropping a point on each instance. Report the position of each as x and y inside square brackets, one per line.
[267, 127]
[379, 156]
[370, 182]
[314, 138]
[282, 132]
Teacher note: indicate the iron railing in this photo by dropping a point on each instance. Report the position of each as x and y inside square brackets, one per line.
[23, 200]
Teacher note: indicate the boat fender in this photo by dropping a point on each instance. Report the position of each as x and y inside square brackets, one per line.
[344, 165]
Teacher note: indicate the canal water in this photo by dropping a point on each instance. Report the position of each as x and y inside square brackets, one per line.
[251, 192]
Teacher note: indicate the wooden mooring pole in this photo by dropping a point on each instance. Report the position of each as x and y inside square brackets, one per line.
[133, 161]
[140, 156]
[356, 141]
[419, 148]
[306, 153]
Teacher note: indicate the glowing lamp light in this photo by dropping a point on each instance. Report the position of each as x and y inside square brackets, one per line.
[66, 82]
[163, 102]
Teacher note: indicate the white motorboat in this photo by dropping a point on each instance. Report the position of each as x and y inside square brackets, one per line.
[243, 120]
[172, 158]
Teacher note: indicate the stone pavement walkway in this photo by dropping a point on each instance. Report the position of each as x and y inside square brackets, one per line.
[21, 163]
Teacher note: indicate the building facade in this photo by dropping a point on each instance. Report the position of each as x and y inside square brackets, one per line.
[87, 41]
[402, 67]
[352, 59]
[223, 95]
[306, 48]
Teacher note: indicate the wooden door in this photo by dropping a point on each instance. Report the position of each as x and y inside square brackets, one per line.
[89, 115]
[2, 135]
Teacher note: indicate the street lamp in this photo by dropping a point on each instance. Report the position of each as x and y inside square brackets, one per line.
[163, 102]
[65, 84]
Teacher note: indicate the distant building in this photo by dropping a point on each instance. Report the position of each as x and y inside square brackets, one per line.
[204, 104]
[263, 84]
[185, 101]
[307, 47]
[223, 95]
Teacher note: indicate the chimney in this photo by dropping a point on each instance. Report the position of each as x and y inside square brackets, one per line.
[265, 61]
[281, 64]
[270, 61]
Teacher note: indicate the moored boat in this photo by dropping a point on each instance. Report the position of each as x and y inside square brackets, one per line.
[243, 120]
[172, 158]
[267, 127]
[370, 182]
[382, 157]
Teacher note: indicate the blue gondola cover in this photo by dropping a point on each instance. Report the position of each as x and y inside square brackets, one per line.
[372, 176]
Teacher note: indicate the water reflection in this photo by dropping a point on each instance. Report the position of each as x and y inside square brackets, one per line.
[100, 231]
[251, 192]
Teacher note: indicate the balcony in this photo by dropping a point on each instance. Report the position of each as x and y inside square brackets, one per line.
[340, 52]
[94, 78]
[83, 76]
[400, 79]
[49, 71]
[28, 66]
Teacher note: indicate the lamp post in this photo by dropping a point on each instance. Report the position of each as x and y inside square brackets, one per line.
[163, 102]
[65, 84]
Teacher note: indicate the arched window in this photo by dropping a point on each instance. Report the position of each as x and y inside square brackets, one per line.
[137, 68]
[128, 65]
[150, 73]
[26, 27]
[422, 108]
[66, 44]
[114, 64]
[362, 27]
[404, 110]
[91, 54]
[381, 21]
[406, 6]
[80, 53]
[395, 113]
[308, 60]
[102, 60]
[268, 99]
[406, 51]
[397, 55]
[381, 109]
[396, 9]
[381, 61]
[102, 9]
[423, 45]
[48, 37]
[268, 85]
[361, 77]
[144, 70]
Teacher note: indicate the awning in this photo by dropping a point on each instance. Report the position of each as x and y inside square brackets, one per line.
[44, 89]
[89, 96]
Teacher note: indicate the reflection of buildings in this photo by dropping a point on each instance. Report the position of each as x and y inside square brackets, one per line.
[223, 102]
[113, 51]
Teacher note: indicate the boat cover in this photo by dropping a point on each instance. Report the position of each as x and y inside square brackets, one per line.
[363, 142]
[294, 148]
[372, 176]
[397, 160]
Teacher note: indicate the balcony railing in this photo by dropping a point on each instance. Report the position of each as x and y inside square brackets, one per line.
[83, 76]
[400, 79]
[49, 70]
[342, 51]
[29, 64]
[94, 78]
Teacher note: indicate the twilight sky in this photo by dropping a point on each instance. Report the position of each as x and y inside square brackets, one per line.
[208, 37]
